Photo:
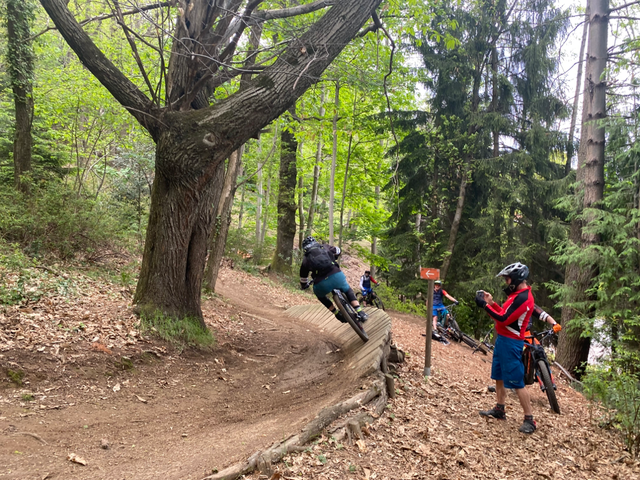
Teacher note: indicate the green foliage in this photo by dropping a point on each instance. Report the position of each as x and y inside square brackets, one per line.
[618, 395]
[182, 333]
[15, 376]
[55, 220]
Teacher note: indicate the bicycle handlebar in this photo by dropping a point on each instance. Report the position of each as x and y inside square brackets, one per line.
[542, 335]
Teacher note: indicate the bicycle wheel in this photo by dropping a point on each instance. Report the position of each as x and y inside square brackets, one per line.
[378, 302]
[359, 297]
[481, 348]
[545, 374]
[350, 315]
[469, 341]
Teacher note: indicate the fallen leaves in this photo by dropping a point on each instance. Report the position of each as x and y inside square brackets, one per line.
[72, 457]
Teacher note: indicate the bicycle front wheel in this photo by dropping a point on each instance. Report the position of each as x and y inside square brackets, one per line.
[469, 341]
[350, 315]
[545, 374]
[378, 303]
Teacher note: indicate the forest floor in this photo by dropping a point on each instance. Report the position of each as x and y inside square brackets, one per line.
[85, 395]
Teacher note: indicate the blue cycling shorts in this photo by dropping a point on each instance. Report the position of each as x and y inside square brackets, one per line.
[366, 291]
[326, 286]
[439, 308]
[507, 362]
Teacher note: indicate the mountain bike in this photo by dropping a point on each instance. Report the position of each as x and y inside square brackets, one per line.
[535, 357]
[371, 298]
[349, 314]
[448, 326]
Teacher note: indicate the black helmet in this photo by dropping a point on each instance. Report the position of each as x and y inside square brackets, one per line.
[438, 282]
[517, 272]
[308, 242]
[367, 272]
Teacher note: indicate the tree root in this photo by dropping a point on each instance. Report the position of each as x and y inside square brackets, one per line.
[313, 429]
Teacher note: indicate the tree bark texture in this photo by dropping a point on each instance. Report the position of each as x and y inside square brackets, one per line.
[576, 99]
[286, 203]
[192, 145]
[222, 222]
[573, 350]
[20, 66]
[334, 160]
[316, 171]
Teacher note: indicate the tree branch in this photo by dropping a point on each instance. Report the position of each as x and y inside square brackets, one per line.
[264, 15]
[626, 5]
[134, 48]
[106, 16]
[123, 89]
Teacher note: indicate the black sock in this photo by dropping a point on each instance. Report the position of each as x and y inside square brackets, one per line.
[529, 418]
[500, 406]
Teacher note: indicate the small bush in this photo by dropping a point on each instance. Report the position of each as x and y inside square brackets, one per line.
[55, 220]
[618, 395]
[16, 376]
[180, 332]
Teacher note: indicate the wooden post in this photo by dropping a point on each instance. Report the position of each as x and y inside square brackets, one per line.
[427, 346]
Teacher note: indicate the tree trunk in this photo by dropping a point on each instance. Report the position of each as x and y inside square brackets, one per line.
[259, 195]
[346, 169]
[334, 159]
[286, 203]
[573, 350]
[180, 222]
[20, 60]
[192, 143]
[222, 221]
[576, 98]
[316, 170]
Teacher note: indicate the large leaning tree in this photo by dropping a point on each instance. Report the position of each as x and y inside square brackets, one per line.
[193, 133]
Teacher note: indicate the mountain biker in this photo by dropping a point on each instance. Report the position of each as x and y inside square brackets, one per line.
[365, 285]
[538, 314]
[320, 261]
[438, 306]
[511, 321]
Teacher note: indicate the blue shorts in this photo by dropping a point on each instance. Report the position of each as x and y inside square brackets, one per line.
[326, 286]
[507, 362]
[366, 291]
[439, 308]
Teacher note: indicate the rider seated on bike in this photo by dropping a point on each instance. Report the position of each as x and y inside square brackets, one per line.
[320, 261]
[438, 306]
[365, 285]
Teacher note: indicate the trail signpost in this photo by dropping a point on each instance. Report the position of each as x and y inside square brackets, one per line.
[431, 275]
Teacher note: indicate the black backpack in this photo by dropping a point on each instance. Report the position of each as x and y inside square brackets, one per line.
[319, 259]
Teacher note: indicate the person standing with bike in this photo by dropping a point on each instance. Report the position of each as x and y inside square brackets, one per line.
[365, 285]
[438, 295]
[511, 321]
[321, 262]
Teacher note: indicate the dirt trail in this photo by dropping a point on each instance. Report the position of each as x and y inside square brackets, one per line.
[162, 413]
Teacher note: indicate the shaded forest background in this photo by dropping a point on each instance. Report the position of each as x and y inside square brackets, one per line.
[443, 134]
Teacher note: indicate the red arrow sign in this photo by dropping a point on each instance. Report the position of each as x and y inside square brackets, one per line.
[430, 273]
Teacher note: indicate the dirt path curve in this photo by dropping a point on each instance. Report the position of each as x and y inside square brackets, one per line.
[166, 414]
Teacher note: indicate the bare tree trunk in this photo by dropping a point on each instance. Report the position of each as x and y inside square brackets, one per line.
[573, 349]
[259, 195]
[222, 221]
[267, 197]
[316, 170]
[20, 60]
[286, 203]
[334, 159]
[576, 98]
[241, 212]
[300, 209]
[346, 170]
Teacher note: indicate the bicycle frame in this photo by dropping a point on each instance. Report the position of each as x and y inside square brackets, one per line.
[538, 353]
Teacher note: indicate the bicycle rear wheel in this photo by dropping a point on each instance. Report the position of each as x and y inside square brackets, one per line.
[350, 315]
[545, 374]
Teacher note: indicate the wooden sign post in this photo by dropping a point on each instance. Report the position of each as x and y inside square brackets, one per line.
[431, 275]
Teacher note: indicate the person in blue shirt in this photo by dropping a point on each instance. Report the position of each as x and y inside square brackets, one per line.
[438, 295]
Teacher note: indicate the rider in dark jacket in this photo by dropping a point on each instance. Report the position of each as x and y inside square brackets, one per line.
[326, 275]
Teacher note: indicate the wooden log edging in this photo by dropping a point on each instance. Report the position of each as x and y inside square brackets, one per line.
[377, 394]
